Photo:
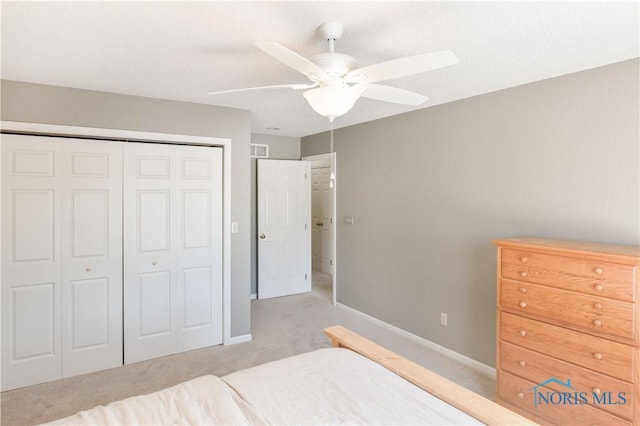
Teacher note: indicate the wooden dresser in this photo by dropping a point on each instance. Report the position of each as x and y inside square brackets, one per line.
[568, 328]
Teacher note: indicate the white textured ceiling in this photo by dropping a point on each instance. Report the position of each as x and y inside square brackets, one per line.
[182, 50]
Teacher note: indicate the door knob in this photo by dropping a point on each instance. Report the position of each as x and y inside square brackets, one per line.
[319, 224]
[262, 236]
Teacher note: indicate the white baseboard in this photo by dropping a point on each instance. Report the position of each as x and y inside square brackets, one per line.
[253, 296]
[469, 362]
[238, 339]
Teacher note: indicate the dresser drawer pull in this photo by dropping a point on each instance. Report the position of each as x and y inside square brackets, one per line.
[520, 395]
[597, 323]
[522, 363]
[523, 274]
[522, 333]
[523, 305]
[523, 259]
[598, 287]
[597, 355]
[598, 270]
[597, 305]
[596, 391]
[523, 290]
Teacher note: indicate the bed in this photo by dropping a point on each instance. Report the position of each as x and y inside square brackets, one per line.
[356, 381]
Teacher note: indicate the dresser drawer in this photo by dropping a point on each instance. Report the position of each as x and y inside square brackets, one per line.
[537, 368]
[520, 393]
[591, 313]
[610, 358]
[600, 278]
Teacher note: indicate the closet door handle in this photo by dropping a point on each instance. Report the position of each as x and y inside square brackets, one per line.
[262, 236]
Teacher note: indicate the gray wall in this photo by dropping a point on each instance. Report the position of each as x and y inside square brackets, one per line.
[429, 191]
[57, 105]
[280, 148]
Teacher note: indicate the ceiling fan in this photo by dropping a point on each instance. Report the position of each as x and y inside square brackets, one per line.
[337, 82]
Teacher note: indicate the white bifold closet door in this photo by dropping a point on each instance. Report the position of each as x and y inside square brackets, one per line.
[61, 258]
[172, 249]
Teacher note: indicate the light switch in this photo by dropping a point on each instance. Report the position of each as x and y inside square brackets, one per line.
[234, 227]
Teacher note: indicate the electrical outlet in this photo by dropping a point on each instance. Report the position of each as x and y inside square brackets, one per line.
[443, 318]
[348, 220]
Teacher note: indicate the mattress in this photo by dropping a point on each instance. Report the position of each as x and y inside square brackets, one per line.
[206, 400]
[338, 386]
[327, 386]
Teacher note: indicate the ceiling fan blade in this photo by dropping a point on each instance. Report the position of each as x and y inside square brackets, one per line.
[279, 86]
[380, 92]
[403, 67]
[290, 58]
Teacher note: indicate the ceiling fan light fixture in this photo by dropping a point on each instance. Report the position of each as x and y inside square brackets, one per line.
[332, 101]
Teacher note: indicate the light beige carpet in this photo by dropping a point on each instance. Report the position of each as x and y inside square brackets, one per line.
[280, 327]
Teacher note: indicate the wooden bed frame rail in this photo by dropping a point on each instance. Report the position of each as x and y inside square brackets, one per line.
[460, 397]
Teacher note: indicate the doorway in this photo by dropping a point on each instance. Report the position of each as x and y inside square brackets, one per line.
[323, 235]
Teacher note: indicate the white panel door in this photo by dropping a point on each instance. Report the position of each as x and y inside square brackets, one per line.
[284, 243]
[149, 251]
[199, 251]
[31, 260]
[173, 249]
[91, 256]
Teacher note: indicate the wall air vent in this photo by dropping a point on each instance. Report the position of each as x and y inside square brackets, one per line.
[259, 150]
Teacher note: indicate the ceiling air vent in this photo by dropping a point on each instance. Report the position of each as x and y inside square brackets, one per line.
[259, 150]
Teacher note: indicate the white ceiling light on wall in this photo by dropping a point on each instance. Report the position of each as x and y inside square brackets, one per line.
[337, 82]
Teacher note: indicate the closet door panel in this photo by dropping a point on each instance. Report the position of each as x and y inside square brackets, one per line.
[33, 321]
[92, 256]
[31, 261]
[33, 225]
[89, 306]
[154, 218]
[89, 223]
[149, 251]
[155, 304]
[196, 298]
[199, 253]
[173, 249]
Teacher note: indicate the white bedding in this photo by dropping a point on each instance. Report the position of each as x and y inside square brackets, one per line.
[338, 386]
[202, 401]
[328, 386]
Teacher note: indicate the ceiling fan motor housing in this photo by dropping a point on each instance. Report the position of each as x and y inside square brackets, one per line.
[336, 64]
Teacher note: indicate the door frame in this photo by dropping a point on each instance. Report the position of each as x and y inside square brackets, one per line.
[329, 156]
[169, 138]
